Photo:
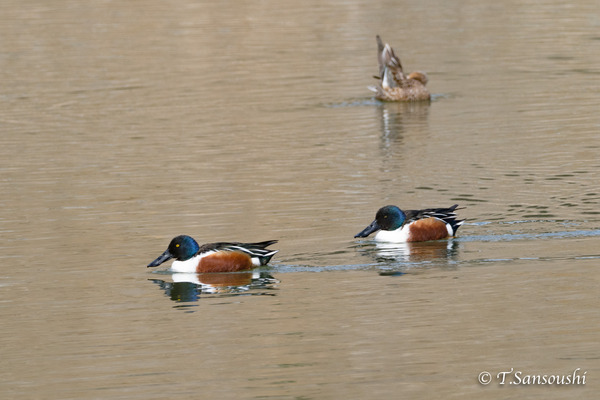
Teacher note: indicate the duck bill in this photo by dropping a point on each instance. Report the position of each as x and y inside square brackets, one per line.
[161, 259]
[368, 230]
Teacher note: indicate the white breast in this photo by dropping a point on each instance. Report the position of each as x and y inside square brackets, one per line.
[189, 266]
[400, 235]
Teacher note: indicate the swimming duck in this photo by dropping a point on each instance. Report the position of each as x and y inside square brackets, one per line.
[394, 85]
[214, 257]
[397, 226]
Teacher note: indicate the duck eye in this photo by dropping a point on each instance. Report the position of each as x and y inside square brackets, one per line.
[177, 245]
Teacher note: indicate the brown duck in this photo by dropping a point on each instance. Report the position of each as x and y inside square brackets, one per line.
[394, 85]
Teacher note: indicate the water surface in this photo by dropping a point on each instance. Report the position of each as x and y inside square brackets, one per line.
[124, 125]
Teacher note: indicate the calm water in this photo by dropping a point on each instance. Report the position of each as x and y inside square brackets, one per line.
[125, 124]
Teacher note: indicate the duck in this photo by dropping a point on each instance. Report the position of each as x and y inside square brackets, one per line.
[394, 225]
[395, 85]
[190, 257]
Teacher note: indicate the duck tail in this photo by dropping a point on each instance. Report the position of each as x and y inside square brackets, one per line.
[449, 216]
[259, 252]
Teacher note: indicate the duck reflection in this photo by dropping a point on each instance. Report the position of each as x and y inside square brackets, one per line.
[412, 252]
[189, 287]
[417, 251]
[397, 117]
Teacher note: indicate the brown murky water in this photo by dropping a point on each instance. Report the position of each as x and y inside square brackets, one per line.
[125, 124]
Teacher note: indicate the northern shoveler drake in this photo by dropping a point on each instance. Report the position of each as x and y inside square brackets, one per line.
[214, 257]
[394, 85]
[397, 226]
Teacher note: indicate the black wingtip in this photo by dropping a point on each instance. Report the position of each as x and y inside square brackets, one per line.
[266, 243]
